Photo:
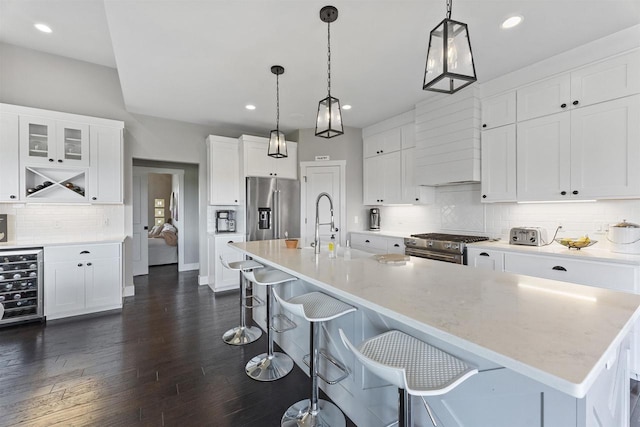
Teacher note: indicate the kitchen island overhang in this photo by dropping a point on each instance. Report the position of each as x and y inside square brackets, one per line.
[561, 335]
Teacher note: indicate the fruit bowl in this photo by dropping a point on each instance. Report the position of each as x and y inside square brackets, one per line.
[576, 242]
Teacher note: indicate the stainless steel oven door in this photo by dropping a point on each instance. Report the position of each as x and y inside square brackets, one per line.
[435, 255]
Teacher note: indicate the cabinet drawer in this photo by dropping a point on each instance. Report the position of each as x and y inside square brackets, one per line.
[369, 243]
[395, 246]
[485, 259]
[601, 274]
[79, 252]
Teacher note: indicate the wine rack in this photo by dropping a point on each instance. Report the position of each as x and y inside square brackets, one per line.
[48, 184]
[21, 286]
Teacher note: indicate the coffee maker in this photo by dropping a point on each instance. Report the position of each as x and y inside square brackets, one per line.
[374, 219]
[225, 221]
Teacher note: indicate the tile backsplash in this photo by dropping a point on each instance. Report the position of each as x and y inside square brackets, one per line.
[458, 209]
[60, 223]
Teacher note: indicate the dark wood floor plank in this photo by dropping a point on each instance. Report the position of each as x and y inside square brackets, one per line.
[160, 362]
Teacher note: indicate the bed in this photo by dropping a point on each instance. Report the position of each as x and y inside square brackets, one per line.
[163, 245]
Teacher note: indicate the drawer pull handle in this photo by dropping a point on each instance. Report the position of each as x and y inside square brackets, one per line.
[79, 264]
[230, 241]
[484, 254]
[88, 264]
[559, 268]
[84, 252]
[367, 241]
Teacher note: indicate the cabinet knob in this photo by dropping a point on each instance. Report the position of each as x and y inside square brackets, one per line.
[236, 201]
[270, 174]
[89, 264]
[563, 106]
[484, 125]
[12, 196]
[59, 160]
[564, 193]
[94, 198]
[51, 160]
[378, 152]
[575, 102]
[80, 264]
[575, 192]
[484, 254]
[417, 199]
[382, 151]
[275, 174]
[484, 196]
[559, 268]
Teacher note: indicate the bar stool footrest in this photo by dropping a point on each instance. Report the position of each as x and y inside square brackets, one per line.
[337, 364]
[257, 302]
[281, 323]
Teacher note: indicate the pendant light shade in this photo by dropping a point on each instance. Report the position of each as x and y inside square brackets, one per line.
[329, 121]
[450, 64]
[277, 143]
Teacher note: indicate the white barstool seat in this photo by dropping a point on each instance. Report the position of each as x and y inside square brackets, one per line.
[241, 335]
[315, 307]
[269, 366]
[415, 367]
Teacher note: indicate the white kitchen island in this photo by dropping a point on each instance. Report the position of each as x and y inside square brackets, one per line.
[549, 353]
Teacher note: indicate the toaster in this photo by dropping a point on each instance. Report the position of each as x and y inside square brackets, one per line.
[530, 236]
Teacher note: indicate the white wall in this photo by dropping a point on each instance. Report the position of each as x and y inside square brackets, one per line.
[41, 80]
[344, 147]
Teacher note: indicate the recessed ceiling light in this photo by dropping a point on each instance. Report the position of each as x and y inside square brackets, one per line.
[511, 22]
[43, 27]
[250, 107]
[346, 107]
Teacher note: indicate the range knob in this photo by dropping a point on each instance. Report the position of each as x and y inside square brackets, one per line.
[455, 246]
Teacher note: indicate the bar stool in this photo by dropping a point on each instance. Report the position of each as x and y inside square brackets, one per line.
[241, 335]
[316, 307]
[413, 366]
[269, 366]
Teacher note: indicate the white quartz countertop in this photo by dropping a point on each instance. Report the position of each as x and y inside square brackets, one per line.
[593, 253]
[385, 233]
[557, 333]
[23, 244]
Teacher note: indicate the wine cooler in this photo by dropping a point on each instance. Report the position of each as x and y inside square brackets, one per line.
[21, 286]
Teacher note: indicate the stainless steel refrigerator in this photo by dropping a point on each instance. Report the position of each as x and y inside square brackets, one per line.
[273, 208]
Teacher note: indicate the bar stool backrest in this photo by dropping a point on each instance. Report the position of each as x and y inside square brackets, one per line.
[297, 309]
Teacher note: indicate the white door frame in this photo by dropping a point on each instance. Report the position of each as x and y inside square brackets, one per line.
[179, 174]
[343, 194]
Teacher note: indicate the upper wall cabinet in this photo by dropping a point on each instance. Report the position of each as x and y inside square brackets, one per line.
[383, 143]
[63, 157]
[499, 110]
[53, 142]
[224, 170]
[603, 81]
[499, 164]
[256, 162]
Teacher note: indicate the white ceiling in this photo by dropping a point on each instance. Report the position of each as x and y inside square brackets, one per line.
[201, 61]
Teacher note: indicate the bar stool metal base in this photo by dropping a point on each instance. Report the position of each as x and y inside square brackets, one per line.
[265, 368]
[241, 335]
[328, 415]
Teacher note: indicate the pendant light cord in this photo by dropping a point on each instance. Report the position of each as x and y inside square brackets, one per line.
[278, 104]
[329, 58]
[449, 4]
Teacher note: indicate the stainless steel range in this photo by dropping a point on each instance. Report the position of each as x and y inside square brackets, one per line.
[439, 246]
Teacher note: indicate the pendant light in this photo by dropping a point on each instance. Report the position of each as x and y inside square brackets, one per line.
[329, 121]
[449, 59]
[277, 143]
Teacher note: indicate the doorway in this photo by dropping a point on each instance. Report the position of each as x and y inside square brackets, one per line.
[318, 177]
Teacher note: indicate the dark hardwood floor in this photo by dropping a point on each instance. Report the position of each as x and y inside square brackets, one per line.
[161, 362]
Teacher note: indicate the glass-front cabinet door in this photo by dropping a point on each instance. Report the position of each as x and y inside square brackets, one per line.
[60, 143]
[37, 137]
[72, 143]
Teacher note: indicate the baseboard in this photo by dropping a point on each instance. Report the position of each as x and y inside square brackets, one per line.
[226, 288]
[129, 291]
[203, 280]
[189, 267]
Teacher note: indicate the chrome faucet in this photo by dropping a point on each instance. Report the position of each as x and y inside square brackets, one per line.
[316, 239]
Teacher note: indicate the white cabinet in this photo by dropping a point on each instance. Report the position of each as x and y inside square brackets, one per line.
[224, 170]
[256, 162]
[588, 153]
[410, 191]
[9, 164]
[499, 164]
[382, 182]
[606, 80]
[499, 110]
[82, 279]
[53, 142]
[105, 182]
[383, 143]
[485, 259]
[377, 244]
[225, 279]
